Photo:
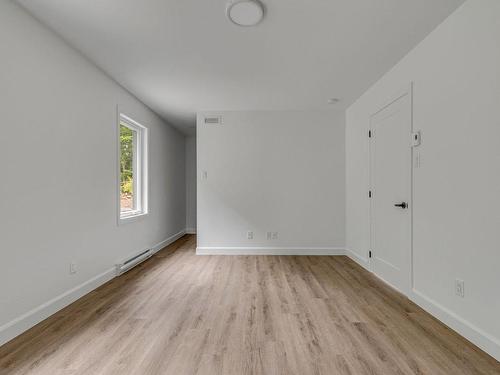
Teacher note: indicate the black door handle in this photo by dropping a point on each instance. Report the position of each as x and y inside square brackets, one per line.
[402, 205]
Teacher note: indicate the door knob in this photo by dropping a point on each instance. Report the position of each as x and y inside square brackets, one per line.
[402, 205]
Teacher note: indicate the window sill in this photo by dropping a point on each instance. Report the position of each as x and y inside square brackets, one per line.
[131, 217]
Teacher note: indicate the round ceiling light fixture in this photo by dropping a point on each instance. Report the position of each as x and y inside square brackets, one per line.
[245, 12]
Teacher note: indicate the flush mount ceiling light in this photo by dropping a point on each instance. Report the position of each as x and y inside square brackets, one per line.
[245, 12]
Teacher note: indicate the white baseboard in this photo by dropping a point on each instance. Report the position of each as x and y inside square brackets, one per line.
[478, 337]
[483, 340]
[168, 241]
[28, 320]
[363, 262]
[270, 251]
[24, 322]
[190, 230]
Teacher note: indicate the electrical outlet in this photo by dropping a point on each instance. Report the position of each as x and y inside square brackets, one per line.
[249, 235]
[269, 235]
[460, 288]
[275, 235]
[72, 268]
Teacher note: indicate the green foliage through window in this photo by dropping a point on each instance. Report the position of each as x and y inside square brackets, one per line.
[126, 166]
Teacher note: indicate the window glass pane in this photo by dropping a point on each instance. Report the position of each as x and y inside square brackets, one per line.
[127, 145]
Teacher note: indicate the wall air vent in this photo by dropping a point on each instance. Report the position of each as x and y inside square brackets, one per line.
[213, 120]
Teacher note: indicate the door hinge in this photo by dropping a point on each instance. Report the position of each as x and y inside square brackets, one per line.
[369, 193]
[369, 254]
[416, 139]
[369, 133]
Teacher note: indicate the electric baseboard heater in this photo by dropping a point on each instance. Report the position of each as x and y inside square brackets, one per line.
[133, 261]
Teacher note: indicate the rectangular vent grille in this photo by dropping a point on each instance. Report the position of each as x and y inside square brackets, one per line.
[213, 120]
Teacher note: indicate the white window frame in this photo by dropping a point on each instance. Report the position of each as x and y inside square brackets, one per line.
[141, 178]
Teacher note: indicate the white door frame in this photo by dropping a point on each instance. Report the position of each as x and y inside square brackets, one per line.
[407, 90]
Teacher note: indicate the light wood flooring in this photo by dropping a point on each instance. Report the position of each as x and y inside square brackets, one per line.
[183, 314]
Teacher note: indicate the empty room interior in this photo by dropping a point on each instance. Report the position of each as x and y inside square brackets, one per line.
[262, 187]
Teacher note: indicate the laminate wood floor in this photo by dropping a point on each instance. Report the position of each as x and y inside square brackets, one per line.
[182, 314]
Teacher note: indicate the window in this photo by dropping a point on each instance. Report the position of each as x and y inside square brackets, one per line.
[133, 169]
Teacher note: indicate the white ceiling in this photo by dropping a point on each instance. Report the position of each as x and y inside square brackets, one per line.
[184, 56]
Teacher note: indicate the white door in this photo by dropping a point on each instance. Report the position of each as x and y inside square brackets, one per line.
[390, 175]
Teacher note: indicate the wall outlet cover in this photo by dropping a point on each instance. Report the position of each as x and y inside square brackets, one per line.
[460, 288]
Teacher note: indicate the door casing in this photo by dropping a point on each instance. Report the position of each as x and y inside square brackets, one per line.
[407, 90]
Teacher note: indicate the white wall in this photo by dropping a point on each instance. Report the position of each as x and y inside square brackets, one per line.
[191, 184]
[456, 75]
[58, 152]
[271, 171]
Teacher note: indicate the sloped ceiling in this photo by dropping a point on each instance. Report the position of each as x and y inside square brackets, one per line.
[184, 56]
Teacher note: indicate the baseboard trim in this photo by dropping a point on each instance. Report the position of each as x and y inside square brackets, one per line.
[363, 262]
[28, 320]
[311, 251]
[190, 230]
[168, 241]
[478, 337]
